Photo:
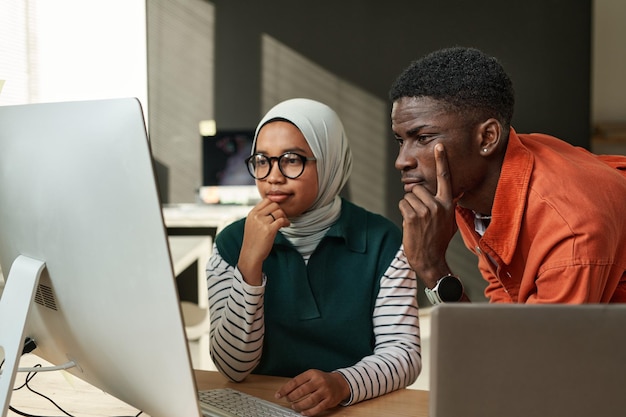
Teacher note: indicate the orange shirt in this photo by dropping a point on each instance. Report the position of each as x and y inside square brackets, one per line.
[558, 227]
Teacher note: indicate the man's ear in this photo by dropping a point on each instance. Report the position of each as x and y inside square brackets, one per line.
[490, 135]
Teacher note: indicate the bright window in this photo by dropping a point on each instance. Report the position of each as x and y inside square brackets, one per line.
[72, 50]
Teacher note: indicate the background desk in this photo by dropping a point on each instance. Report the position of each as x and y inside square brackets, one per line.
[201, 219]
[189, 257]
[189, 227]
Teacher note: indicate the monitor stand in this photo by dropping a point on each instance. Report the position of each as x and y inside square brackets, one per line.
[15, 303]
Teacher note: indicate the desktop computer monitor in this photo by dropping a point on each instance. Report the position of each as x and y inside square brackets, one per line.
[85, 255]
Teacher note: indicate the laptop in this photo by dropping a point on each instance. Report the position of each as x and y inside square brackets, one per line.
[514, 360]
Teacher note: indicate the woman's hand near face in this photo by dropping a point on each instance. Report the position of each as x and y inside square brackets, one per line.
[314, 391]
[262, 224]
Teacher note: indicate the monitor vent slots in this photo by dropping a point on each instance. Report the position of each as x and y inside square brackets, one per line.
[45, 297]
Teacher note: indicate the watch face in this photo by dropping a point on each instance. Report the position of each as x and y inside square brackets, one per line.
[450, 288]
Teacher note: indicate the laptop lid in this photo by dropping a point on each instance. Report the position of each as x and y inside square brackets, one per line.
[511, 360]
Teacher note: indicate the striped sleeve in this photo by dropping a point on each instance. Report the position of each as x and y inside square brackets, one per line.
[237, 324]
[396, 361]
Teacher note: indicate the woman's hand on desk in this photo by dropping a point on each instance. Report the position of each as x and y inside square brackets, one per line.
[314, 391]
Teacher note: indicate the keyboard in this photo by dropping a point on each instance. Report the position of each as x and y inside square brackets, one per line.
[226, 402]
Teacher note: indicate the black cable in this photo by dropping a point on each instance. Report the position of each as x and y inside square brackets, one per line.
[29, 377]
[16, 411]
[29, 345]
[43, 396]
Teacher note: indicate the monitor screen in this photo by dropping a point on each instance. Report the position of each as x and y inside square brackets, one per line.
[223, 158]
[85, 255]
[225, 177]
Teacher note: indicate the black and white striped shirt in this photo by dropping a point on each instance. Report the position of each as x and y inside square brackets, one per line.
[237, 329]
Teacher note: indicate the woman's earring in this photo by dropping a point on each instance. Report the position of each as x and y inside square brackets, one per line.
[484, 149]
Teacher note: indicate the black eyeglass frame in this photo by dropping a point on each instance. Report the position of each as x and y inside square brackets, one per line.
[271, 160]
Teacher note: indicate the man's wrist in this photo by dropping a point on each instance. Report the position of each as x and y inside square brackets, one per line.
[430, 276]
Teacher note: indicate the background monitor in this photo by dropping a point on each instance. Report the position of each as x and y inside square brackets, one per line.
[223, 157]
[225, 178]
[80, 210]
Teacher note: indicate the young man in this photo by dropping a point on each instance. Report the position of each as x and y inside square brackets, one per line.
[547, 220]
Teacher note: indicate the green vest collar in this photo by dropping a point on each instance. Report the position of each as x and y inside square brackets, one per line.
[351, 227]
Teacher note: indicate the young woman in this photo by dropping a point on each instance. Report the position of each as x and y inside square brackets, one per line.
[309, 285]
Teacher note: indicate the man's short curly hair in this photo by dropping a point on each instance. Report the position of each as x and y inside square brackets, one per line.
[464, 79]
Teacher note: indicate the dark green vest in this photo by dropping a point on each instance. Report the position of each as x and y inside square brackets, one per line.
[319, 316]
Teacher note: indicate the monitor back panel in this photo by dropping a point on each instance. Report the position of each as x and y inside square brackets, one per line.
[522, 360]
[77, 191]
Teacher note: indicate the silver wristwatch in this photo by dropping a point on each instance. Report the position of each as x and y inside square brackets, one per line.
[449, 288]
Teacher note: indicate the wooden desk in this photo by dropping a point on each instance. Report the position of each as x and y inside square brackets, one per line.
[82, 399]
[402, 403]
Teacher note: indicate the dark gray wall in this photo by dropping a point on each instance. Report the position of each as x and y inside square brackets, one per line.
[544, 44]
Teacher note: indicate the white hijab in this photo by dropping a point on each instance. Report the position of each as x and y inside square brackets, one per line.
[323, 131]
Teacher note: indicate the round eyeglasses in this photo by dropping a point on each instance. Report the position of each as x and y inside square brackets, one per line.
[290, 164]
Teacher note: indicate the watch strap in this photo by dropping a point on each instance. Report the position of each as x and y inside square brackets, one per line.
[433, 294]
